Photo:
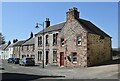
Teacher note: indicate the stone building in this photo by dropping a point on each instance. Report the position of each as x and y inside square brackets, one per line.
[81, 43]
[17, 48]
[28, 48]
[76, 42]
[50, 43]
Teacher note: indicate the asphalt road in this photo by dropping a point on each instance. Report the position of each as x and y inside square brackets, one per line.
[33, 73]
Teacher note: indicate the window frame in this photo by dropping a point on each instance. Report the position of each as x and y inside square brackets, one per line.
[46, 40]
[62, 42]
[72, 57]
[39, 55]
[40, 41]
[80, 40]
[54, 56]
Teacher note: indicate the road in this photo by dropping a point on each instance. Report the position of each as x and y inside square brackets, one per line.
[34, 73]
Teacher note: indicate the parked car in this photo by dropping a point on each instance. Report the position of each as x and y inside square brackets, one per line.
[10, 60]
[26, 61]
[16, 60]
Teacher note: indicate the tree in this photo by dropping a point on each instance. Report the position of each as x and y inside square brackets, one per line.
[2, 39]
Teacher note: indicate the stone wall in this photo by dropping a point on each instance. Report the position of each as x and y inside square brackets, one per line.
[99, 49]
[70, 32]
[48, 48]
[27, 50]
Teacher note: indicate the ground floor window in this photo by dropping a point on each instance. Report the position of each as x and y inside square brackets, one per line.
[33, 56]
[74, 57]
[39, 55]
[54, 56]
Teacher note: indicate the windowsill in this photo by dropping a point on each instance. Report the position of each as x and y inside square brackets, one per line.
[54, 62]
[40, 45]
[62, 45]
[47, 45]
[79, 45]
[75, 62]
[54, 44]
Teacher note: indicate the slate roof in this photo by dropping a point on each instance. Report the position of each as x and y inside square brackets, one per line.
[89, 26]
[53, 28]
[30, 42]
[2, 47]
[11, 45]
[19, 43]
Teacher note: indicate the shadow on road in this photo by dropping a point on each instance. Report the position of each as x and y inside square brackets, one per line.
[25, 77]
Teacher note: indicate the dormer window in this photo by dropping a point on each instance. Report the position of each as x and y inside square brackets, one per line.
[78, 40]
[62, 41]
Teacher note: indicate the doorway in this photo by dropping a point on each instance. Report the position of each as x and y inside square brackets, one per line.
[47, 52]
[61, 58]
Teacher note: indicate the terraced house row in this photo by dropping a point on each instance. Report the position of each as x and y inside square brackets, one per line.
[73, 43]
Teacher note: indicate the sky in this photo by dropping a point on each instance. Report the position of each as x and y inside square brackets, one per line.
[20, 18]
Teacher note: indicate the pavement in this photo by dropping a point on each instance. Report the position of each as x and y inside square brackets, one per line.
[16, 72]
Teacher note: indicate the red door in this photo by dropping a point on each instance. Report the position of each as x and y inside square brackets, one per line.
[61, 58]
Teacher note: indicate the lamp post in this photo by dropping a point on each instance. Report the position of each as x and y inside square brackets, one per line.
[37, 26]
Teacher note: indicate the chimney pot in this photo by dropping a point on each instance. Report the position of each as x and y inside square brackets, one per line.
[47, 23]
[72, 14]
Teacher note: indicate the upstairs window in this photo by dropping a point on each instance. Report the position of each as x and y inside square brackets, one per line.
[47, 40]
[74, 57]
[40, 41]
[55, 39]
[33, 48]
[62, 41]
[27, 48]
[78, 40]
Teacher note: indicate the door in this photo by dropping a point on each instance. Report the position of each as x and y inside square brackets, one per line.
[47, 57]
[61, 58]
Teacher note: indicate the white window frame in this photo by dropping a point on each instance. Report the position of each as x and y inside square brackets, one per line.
[74, 57]
[79, 40]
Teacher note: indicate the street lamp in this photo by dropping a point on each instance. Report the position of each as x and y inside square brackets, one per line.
[37, 26]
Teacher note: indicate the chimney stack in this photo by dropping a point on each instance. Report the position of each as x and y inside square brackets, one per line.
[72, 14]
[47, 23]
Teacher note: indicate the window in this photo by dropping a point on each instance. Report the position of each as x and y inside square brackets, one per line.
[40, 41]
[62, 41]
[33, 56]
[54, 56]
[78, 40]
[33, 47]
[27, 48]
[47, 40]
[39, 55]
[74, 57]
[22, 48]
[55, 39]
